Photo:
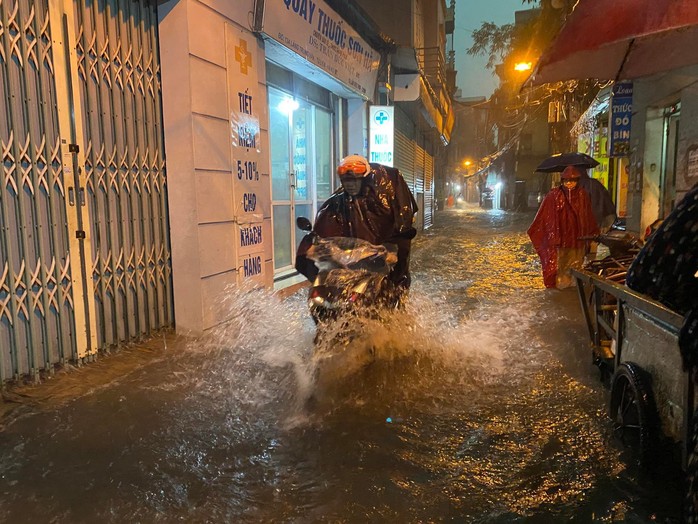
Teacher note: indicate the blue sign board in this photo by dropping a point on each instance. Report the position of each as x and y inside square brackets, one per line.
[620, 119]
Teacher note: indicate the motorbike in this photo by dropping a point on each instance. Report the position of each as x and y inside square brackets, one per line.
[349, 298]
[352, 276]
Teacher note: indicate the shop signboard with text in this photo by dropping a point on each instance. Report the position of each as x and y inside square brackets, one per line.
[620, 119]
[382, 135]
[312, 30]
[246, 103]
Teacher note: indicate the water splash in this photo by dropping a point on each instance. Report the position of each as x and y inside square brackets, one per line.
[264, 355]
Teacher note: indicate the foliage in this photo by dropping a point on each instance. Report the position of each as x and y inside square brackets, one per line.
[510, 106]
[492, 40]
[527, 38]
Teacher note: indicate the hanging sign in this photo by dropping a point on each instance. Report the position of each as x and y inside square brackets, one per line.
[312, 30]
[620, 119]
[382, 135]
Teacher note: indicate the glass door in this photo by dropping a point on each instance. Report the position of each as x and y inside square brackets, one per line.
[280, 110]
[301, 173]
[303, 187]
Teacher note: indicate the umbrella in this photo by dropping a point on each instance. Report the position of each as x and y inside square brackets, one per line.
[621, 39]
[560, 162]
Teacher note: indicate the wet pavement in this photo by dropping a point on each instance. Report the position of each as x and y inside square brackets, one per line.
[480, 405]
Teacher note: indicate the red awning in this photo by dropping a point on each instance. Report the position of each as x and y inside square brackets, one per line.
[622, 39]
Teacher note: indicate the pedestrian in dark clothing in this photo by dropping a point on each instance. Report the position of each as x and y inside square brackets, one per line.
[666, 269]
[374, 204]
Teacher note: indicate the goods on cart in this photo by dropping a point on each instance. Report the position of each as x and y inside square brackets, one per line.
[622, 248]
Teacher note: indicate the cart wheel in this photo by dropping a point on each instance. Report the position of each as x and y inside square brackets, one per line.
[633, 413]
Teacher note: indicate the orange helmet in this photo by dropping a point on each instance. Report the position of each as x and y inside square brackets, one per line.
[354, 165]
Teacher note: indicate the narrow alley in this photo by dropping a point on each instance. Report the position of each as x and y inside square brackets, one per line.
[481, 405]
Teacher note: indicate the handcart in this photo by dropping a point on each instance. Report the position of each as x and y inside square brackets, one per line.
[634, 342]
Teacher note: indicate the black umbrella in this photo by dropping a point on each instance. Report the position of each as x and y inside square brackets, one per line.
[560, 162]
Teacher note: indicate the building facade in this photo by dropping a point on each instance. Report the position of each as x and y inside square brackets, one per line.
[160, 154]
[645, 145]
[257, 101]
[663, 149]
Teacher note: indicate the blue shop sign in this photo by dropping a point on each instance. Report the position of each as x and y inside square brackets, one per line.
[620, 119]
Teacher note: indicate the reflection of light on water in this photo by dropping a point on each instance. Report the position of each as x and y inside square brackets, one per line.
[470, 375]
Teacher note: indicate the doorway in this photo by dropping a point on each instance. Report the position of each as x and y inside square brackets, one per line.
[301, 176]
[672, 119]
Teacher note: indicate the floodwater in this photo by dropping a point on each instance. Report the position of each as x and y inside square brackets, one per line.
[480, 405]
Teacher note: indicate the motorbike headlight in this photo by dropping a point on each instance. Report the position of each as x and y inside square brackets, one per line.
[316, 301]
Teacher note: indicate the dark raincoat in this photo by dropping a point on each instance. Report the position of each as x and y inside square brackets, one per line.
[563, 217]
[601, 202]
[382, 213]
[666, 269]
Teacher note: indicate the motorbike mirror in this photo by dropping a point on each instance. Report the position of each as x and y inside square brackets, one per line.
[304, 224]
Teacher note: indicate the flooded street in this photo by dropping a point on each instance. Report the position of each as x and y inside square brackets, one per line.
[481, 405]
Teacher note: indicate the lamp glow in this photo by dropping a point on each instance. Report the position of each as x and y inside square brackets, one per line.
[523, 66]
[288, 105]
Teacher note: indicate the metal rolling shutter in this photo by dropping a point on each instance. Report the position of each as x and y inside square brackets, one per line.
[428, 191]
[404, 157]
[404, 146]
[419, 169]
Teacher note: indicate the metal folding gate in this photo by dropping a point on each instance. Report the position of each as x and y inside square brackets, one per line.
[428, 191]
[84, 250]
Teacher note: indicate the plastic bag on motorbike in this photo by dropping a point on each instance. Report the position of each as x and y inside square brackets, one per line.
[352, 253]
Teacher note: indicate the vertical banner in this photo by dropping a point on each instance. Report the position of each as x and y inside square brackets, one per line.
[620, 120]
[381, 134]
[245, 101]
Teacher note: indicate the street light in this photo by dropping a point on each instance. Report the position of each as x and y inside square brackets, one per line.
[466, 187]
[523, 66]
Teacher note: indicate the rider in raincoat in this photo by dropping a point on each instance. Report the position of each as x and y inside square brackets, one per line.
[373, 204]
[564, 215]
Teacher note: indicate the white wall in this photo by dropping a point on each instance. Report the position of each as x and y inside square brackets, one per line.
[357, 128]
[198, 59]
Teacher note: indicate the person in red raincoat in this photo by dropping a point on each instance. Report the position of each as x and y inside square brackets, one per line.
[564, 215]
[374, 204]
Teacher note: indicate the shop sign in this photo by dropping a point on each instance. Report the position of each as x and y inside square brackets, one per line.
[620, 119]
[692, 166]
[600, 148]
[382, 134]
[246, 102]
[311, 29]
[251, 267]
